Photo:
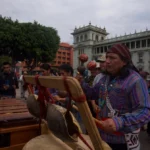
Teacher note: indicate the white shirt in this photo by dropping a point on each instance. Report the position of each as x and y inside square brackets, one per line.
[97, 78]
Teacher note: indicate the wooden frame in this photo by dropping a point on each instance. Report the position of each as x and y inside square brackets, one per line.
[76, 93]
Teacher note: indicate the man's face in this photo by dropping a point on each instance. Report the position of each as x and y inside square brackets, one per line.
[45, 72]
[114, 63]
[64, 73]
[103, 65]
[6, 68]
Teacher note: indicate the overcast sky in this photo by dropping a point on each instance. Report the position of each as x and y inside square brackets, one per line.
[117, 16]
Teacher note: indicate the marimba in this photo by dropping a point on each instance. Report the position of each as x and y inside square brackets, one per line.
[17, 126]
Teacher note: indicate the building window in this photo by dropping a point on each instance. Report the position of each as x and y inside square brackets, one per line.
[96, 38]
[81, 51]
[92, 36]
[77, 39]
[143, 43]
[62, 48]
[102, 38]
[109, 46]
[94, 50]
[105, 49]
[102, 49]
[85, 37]
[128, 45]
[140, 57]
[131, 55]
[132, 45]
[137, 44]
[98, 50]
[148, 43]
[81, 38]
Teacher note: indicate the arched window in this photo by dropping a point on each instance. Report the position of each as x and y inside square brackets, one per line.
[96, 38]
[77, 39]
[85, 37]
[92, 36]
[81, 38]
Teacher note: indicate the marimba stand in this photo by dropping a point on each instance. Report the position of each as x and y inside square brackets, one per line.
[17, 126]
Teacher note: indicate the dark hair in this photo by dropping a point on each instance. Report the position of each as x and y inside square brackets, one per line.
[45, 66]
[81, 70]
[125, 70]
[67, 68]
[6, 63]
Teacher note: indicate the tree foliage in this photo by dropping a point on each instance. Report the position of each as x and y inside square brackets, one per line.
[5, 59]
[27, 40]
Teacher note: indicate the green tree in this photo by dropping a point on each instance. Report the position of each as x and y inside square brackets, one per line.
[5, 59]
[27, 40]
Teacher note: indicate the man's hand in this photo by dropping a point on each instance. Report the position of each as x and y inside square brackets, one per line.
[57, 98]
[96, 108]
[108, 125]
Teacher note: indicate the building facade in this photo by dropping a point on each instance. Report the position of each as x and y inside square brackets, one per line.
[64, 55]
[92, 40]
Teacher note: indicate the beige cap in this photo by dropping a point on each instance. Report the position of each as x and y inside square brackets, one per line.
[102, 57]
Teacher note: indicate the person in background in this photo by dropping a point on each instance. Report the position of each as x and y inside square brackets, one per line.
[61, 97]
[101, 60]
[22, 89]
[46, 71]
[82, 71]
[102, 63]
[8, 81]
[93, 69]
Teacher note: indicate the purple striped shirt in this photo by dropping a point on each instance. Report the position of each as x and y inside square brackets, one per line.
[129, 96]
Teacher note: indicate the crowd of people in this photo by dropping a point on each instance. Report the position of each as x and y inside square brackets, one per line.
[116, 91]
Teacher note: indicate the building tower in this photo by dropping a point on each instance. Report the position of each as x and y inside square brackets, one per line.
[84, 39]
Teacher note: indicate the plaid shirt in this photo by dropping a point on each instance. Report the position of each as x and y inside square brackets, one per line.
[129, 96]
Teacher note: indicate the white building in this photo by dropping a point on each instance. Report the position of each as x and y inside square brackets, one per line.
[92, 40]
